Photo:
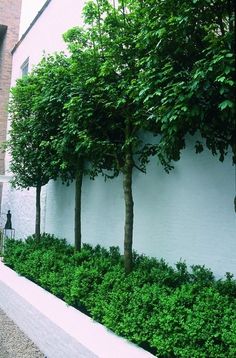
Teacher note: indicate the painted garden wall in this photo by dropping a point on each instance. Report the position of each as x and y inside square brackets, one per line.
[187, 214]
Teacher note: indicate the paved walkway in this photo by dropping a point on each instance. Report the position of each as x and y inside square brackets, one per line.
[59, 330]
[14, 343]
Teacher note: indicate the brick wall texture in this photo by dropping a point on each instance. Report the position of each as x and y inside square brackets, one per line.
[9, 32]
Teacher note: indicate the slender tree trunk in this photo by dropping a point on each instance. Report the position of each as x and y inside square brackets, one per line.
[78, 191]
[129, 211]
[38, 212]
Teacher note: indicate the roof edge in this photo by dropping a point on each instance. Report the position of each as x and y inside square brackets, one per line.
[31, 25]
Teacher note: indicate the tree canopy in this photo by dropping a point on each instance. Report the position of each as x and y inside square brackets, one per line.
[36, 109]
[187, 73]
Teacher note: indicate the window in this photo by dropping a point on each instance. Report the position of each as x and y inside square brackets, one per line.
[3, 30]
[25, 67]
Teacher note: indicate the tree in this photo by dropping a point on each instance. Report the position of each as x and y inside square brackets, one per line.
[104, 59]
[81, 143]
[36, 109]
[77, 143]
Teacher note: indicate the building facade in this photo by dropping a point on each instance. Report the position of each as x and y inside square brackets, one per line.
[187, 214]
[9, 30]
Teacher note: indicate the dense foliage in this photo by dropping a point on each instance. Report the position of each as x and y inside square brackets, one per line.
[170, 311]
[187, 73]
[36, 109]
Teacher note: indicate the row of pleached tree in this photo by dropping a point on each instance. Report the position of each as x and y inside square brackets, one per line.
[165, 67]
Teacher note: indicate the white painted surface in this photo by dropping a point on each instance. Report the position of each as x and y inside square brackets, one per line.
[60, 203]
[29, 10]
[21, 203]
[46, 34]
[187, 214]
[5, 178]
[86, 331]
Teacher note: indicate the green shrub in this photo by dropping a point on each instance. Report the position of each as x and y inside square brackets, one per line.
[172, 312]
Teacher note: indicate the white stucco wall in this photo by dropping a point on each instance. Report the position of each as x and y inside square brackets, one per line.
[20, 204]
[187, 214]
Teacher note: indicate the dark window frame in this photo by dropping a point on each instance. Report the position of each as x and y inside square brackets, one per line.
[25, 67]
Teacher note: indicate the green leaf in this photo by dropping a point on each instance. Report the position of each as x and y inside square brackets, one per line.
[225, 104]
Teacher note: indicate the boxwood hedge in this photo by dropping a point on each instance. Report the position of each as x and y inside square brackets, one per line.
[172, 312]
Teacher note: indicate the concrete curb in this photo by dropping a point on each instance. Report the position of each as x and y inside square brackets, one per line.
[35, 309]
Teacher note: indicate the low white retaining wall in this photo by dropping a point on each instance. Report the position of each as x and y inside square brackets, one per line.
[36, 312]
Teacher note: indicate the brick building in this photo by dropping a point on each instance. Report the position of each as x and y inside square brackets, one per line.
[9, 31]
